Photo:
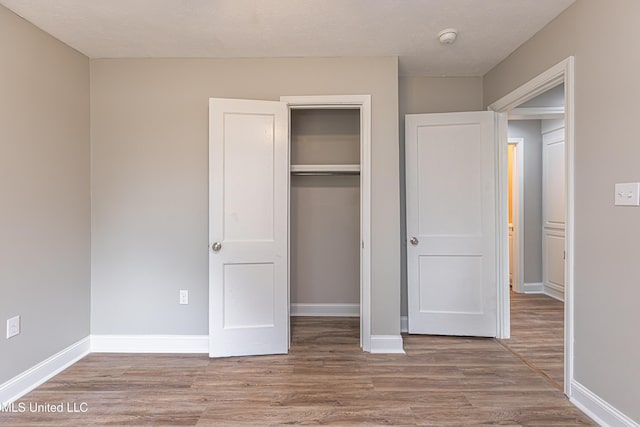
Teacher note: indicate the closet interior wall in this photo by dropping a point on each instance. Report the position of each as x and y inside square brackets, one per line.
[325, 208]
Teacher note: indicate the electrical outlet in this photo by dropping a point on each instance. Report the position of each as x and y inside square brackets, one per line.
[13, 327]
[184, 296]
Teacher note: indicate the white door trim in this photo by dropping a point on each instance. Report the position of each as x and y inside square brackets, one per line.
[539, 113]
[518, 215]
[363, 102]
[559, 73]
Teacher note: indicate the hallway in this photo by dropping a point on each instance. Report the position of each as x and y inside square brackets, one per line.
[537, 334]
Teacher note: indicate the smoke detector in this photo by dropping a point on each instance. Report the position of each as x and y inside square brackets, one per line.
[448, 36]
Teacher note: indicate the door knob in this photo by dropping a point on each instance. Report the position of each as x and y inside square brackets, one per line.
[216, 246]
[414, 241]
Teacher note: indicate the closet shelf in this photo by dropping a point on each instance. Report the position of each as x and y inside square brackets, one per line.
[342, 169]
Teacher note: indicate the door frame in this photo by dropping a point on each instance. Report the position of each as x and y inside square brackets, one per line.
[363, 103]
[518, 214]
[562, 72]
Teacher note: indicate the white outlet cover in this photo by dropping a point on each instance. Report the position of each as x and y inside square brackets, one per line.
[184, 296]
[13, 327]
[627, 194]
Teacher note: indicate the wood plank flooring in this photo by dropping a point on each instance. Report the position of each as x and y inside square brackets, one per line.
[325, 379]
[537, 334]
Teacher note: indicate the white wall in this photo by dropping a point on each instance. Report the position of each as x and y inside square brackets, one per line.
[325, 240]
[149, 126]
[44, 194]
[607, 89]
[554, 97]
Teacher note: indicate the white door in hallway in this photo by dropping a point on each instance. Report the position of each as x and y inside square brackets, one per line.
[451, 223]
[553, 207]
[248, 238]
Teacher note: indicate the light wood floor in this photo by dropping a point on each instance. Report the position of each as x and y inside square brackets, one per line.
[326, 379]
[537, 334]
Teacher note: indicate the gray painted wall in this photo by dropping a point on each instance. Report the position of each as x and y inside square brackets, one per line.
[149, 151]
[149, 126]
[607, 89]
[529, 130]
[325, 236]
[429, 95]
[44, 194]
[554, 97]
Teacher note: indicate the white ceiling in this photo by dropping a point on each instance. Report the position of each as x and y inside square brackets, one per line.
[489, 30]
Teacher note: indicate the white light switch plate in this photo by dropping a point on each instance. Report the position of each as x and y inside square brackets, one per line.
[627, 194]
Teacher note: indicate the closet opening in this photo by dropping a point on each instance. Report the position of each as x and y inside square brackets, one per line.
[325, 225]
[250, 219]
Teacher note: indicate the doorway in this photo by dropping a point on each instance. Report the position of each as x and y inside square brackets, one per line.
[324, 212]
[562, 73]
[361, 106]
[537, 324]
[249, 229]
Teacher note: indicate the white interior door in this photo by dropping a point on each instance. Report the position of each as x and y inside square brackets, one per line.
[248, 214]
[451, 223]
[553, 207]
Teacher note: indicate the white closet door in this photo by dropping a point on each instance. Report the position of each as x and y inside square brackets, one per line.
[553, 208]
[451, 223]
[248, 208]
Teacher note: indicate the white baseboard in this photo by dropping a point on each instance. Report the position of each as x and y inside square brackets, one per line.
[386, 344]
[404, 324]
[598, 409]
[22, 384]
[554, 291]
[149, 343]
[533, 288]
[336, 310]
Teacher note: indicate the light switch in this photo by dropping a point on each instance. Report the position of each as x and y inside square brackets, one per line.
[627, 194]
[13, 326]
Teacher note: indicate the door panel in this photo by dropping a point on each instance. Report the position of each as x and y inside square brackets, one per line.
[455, 273]
[555, 253]
[248, 167]
[244, 193]
[553, 165]
[441, 151]
[246, 288]
[451, 213]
